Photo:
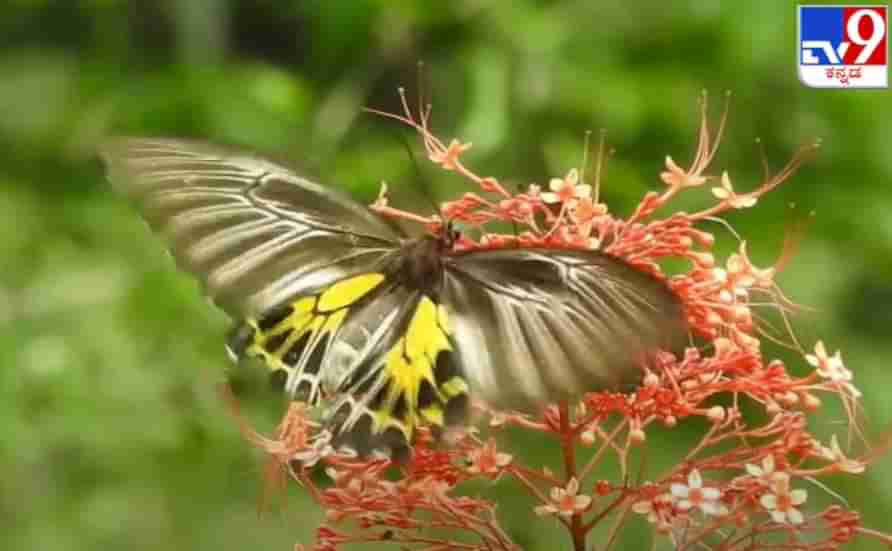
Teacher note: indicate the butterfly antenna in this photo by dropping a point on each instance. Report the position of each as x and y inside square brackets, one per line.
[424, 186]
[601, 163]
[584, 164]
[420, 84]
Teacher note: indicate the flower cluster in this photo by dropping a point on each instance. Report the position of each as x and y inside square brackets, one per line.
[743, 484]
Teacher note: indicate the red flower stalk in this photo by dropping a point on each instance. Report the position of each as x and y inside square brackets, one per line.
[743, 485]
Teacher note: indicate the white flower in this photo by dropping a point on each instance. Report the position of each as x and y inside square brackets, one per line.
[657, 510]
[835, 454]
[693, 494]
[565, 501]
[674, 176]
[726, 193]
[766, 473]
[566, 189]
[832, 368]
[781, 504]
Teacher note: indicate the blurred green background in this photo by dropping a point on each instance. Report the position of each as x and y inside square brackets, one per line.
[111, 434]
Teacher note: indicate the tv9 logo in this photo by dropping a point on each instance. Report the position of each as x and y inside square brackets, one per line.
[843, 46]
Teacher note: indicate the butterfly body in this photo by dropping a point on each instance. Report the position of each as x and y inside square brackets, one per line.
[390, 332]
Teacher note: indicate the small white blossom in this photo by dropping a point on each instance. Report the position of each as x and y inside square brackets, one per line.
[657, 510]
[726, 193]
[566, 189]
[835, 454]
[693, 494]
[565, 501]
[832, 368]
[766, 473]
[674, 176]
[781, 502]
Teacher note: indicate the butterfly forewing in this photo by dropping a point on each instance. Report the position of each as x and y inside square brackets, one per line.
[534, 326]
[256, 233]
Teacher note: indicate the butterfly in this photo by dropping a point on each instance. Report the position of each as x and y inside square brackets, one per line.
[388, 331]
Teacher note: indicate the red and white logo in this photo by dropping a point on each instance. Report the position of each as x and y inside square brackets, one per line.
[844, 46]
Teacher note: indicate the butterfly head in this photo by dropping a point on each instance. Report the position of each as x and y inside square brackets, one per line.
[448, 236]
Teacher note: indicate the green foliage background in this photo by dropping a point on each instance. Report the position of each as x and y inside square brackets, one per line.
[111, 435]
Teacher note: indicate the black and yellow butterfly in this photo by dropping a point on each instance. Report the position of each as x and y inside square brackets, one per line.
[391, 332]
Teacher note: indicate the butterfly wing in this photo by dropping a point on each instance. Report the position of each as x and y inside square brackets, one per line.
[534, 326]
[401, 375]
[382, 350]
[256, 233]
[309, 274]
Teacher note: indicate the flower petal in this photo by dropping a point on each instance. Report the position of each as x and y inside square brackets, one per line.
[753, 470]
[798, 497]
[721, 193]
[679, 490]
[714, 509]
[795, 516]
[642, 507]
[769, 501]
[694, 479]
[711, 494]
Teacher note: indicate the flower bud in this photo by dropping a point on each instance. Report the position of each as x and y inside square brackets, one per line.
[651, 379]
[716, 414]
[810, 402]
[588, 437]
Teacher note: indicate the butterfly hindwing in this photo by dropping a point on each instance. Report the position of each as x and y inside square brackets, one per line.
[380, 353]
[534, 326]
[299, 340]
[406, 377]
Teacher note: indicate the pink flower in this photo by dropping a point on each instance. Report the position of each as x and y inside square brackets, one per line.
[487, 460]
[674, 176]
[565, 501]
[585, 210]
[448, 159]
[693, 494]
[566, 189]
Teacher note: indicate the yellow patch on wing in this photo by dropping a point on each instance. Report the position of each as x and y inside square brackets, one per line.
[348, 291]
[286, 336]
[416, 391]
